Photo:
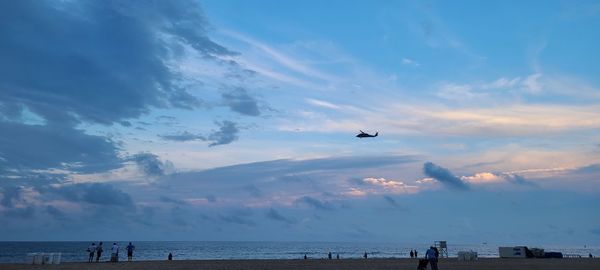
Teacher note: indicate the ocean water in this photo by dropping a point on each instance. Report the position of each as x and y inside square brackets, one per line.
[16, 252]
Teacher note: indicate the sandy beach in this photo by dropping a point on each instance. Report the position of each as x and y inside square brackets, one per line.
[349, 264]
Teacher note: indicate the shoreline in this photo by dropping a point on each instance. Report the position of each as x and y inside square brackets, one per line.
[324, 264]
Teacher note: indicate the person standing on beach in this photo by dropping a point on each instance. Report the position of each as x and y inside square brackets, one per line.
[430, 256]
[114, 256]
[170, 257]
[412, 254]
[130, 249]
[92, 250]
[416, 256]
[329, 255]
[99, 250]
[365, 256]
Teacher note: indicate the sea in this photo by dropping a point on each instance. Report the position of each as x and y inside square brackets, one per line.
[71, 251]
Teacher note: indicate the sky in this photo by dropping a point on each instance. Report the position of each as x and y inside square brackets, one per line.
[236, 120]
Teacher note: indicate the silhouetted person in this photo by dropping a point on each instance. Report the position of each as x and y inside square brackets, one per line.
[170, 258]
[92, 250]
[412, 254]
[305, 257]
[437, 253]
[130, 249]
[329, 255]
[337, 256]
[430, 256]
[99, 251]
[365, 256]
[591, 255]
[416, 256]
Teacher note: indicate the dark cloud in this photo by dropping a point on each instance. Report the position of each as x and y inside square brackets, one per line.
[56, 213]
[95, 194]
[274, 215]
[238, 100]
[10, 195]
[391, 201]
[239, 217]
[314, 203]
[150, 164]
[21, 212]
[444, 176]
[227, 133]
[183, 137]
[101, 61]
[35, 147]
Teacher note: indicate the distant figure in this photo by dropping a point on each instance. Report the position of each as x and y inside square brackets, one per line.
[99, 251]
[412, 254]
[337, 256]
[430, 256]
[170, 258]
[365, 256]
[437, 253]
[591, 255]
[416, 256]
[130, 249]
[91, 250]
[305, 257]
[329, 255]
[114, 253]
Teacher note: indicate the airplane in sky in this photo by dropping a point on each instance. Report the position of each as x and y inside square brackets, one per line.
[362, 134]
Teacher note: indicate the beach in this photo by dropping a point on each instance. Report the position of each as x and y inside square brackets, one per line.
[316, 264]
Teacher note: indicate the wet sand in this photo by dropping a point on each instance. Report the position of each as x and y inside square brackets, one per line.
[317, 264]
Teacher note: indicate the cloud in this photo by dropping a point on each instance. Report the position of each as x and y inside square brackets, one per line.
[91, 52]
[10, 194]
[489, 178]
[95, 194]
[227, 133]
[314, 203]
[391, 201]
[150, 164]
[410, 62]
[274, 215]
[444, 176]
[166, 199]
[56, 213]
[35, 147]
[183, 137]
[238, 100]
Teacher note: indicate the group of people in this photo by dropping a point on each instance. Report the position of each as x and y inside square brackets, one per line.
[114, 250]
[413, 253]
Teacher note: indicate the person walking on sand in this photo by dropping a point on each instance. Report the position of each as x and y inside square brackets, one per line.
[114, 256]
[412, 254]
[130, 249]
[99, 251]
[430, 256]
[91, 250]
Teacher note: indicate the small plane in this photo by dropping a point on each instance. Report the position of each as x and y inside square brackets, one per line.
[363, 134]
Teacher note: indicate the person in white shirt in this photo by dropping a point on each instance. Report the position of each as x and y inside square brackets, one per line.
[114, 253]
[91, 250]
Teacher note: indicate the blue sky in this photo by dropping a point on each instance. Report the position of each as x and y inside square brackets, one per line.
[235, 120]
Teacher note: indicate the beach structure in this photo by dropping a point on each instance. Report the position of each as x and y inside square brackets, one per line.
[442, 248]
[467, 256]
[43, 258]
[513, 252]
